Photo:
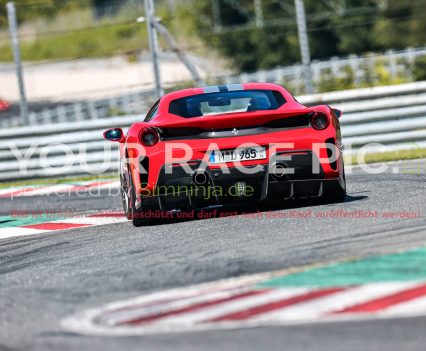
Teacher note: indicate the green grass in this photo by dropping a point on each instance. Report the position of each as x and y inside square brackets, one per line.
[76, 34]
[65, 180]
[390, 156]
[100, 42]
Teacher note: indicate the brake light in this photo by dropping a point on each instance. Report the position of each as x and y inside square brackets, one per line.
[149, 137]
[319, 120]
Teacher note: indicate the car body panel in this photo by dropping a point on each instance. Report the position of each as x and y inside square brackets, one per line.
[300, 140]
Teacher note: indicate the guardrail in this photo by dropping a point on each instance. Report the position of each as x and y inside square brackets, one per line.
[394, 116]
[397, 64]
[76, 111]
[394, 63]
[360, 69]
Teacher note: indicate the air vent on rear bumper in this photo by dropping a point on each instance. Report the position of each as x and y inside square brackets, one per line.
[144, 171]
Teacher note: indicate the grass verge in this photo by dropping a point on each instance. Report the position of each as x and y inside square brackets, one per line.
[389, 156]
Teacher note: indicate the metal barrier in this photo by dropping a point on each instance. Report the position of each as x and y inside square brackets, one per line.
[394, 116]
[87, 110]
[396, 64]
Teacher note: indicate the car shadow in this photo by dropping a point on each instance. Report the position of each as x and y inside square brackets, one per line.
[350, 198]
[233, 211]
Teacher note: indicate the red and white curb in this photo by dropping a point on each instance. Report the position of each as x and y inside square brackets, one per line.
[88, 220]
[240, 303]
[40, 190]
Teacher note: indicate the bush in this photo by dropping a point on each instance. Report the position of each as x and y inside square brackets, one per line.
[419, 69]
[329, 82]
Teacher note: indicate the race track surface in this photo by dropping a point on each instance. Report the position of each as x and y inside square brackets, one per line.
[45, 278]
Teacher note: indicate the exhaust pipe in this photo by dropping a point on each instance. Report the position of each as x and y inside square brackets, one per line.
[200, 178]
[279, 171]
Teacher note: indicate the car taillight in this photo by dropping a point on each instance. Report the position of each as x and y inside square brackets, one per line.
[319, 120]
[149, 137]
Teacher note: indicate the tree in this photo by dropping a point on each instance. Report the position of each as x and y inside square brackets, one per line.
[28, 10]
[402, 23]
[251, 47]
[233, 33]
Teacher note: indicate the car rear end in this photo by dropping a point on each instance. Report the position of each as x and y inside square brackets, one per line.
[245, 154]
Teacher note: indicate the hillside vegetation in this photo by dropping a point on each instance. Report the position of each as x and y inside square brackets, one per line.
[70, 29]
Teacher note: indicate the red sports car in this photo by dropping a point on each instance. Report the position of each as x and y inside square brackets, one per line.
[4, 105]
[223, 145]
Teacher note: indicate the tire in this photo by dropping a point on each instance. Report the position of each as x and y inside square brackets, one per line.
[335, 191]
[124, 188]
[128, 197]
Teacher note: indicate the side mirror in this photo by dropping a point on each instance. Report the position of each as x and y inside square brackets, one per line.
[337, 112]
[115, 134]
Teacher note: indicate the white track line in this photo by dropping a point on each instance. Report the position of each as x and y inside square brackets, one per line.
[38, 190]
[147, 310]
[60, 188]
[111, 185]
[323, 306]
[88, 220]
[12, 232]
[231, 307]
[94, 221]
[412, 307]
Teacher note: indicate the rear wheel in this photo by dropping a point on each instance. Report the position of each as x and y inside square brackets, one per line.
[128, 197]
[125, 195]
[335, 191]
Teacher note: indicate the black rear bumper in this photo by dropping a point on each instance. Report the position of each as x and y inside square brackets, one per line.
[177, 191]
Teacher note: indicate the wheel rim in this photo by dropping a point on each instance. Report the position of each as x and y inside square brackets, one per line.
[125, 195]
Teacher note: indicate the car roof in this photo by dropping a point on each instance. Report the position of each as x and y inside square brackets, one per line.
[166, 99]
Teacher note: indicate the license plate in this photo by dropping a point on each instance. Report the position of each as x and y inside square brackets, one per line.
[244, 154]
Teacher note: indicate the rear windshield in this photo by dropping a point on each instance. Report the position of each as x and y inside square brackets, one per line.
[226, 102]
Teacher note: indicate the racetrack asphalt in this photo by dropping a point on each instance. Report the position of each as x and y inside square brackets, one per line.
[47, 277]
